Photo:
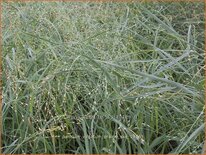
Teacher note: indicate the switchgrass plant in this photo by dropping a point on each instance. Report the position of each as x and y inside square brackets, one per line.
[82, 77]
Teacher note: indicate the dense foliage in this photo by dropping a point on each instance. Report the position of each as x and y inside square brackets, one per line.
[103, 77]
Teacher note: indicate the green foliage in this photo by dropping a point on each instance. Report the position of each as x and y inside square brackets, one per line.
[103, 77]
